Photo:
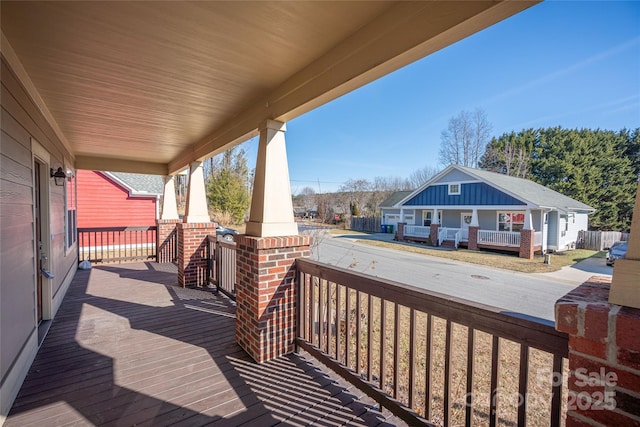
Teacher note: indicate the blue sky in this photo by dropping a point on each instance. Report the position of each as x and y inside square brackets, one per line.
[574, 64]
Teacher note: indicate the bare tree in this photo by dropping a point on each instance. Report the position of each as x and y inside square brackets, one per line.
[421, 176]
[464, 140]
[308, 198]
[358, 190]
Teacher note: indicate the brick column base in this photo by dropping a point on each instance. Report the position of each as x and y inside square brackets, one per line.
[167, 241]
[400, 232]
[433, 233]
[265, 293]
[473, 238]
[526, 243]
[604, 356]
[192, 252]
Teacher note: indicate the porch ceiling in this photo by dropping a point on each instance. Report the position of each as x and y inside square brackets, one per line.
[150, 86]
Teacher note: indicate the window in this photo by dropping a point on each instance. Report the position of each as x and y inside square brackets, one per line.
[427, 218]
[71, 229]
[510, 221]
[454, 189]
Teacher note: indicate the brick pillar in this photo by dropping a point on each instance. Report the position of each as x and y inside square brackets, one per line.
[604, 356]
[167, 242]
[400, 232]
[265, 293]
[433, 234]
[473, 238]
[526, 243]
[192, 252]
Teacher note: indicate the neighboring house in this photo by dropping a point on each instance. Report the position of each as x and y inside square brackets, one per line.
[114, 199]
[481, 209]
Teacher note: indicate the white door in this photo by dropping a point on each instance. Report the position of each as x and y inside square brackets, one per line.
[465, 220]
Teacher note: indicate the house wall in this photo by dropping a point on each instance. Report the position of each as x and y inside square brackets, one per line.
[569, 226]
[22, 124]
[471, 194]
[96, 191]
[487, 220]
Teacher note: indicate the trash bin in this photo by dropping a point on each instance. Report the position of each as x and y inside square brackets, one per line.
[390, 229]
[383, 228]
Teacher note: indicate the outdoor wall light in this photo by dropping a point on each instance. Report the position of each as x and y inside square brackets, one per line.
[58, 176]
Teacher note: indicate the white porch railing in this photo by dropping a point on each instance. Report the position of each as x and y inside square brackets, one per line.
[416, 231]
[499, 238]
[537, 238]
[442, 233]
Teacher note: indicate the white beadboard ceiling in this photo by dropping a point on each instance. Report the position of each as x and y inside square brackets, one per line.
[151, 86]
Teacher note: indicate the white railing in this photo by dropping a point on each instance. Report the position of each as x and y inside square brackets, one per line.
[457, 238]
[442, 233]
[537, 238]
[499, 238]
[416, 231]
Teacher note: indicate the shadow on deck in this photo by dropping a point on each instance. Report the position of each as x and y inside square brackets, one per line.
[129, 347]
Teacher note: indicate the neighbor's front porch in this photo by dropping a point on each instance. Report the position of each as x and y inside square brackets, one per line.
[130, 347]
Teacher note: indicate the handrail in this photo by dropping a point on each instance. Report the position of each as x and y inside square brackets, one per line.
[221, 266]
[117, 244]
[337, 323]
[442, 233]
[457, 238]
[499, 238]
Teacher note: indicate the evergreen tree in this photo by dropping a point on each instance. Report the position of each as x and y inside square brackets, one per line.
[228, 187]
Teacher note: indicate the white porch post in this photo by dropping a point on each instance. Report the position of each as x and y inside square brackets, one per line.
[196, 209]
[169, 205]
[527, 220]
[474, 218]
[435, 219]
[271, 206]
[401, 215]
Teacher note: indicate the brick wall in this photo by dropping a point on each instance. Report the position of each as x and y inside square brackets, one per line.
[604, 356]
[400, 232]
[265, 293]
[473, 238]
[526, 243]
[192, 252]
[167, 244]
[433, 234]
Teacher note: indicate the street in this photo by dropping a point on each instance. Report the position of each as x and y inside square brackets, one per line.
[525, 294]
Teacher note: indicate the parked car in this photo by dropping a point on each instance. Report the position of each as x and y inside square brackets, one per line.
[227, 233]
[617, 251]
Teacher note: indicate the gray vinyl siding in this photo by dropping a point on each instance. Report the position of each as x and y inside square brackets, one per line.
[487, 220]
[21, 120]
[455, 176]
[552, 238]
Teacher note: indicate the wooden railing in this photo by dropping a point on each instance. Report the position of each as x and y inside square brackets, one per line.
[499, 238]
[117, 244]
[429, 357]
[222, 265]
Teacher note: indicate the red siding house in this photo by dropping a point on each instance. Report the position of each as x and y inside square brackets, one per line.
[110, 199]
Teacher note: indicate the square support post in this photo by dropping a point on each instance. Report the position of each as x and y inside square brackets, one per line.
[192, 252]
[526, 243]
[400, 232]
[266, 293]
[167, 241]
[604, 356]
[473, 238]
[433, 233]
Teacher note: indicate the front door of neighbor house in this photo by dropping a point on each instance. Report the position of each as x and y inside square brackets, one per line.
[465, 220]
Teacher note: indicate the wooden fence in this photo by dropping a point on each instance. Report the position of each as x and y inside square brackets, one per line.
[366, 224]
[598, 240]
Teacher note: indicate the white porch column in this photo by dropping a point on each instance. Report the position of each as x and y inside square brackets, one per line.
[271, 206]
[169, 205]
[196, 209]
[527, 220]
[401, 215]
[474, 218]
[435, 219]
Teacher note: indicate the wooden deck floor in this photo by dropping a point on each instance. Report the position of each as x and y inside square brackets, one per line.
[128, 347]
